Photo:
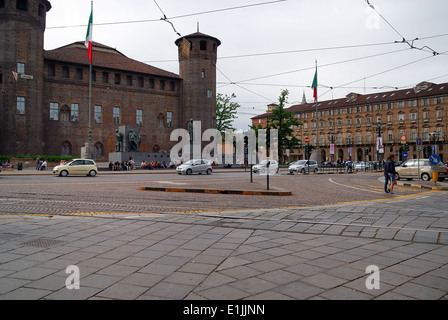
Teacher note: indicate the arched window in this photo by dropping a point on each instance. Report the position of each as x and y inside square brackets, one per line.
[22, 5]
[66, 149]
[65, 113]
[99, 150]
[160, 121]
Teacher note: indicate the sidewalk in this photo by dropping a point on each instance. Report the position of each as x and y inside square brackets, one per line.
[273, 254]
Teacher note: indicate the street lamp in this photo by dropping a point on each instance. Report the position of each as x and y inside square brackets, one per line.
[433, 141]
[379, 129]
[349, 141]
[331, 137]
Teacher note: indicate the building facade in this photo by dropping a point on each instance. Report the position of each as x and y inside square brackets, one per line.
[371, 127]
[45, 94]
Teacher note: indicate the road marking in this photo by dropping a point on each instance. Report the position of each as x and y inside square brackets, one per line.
[357, 188]
[171, 182]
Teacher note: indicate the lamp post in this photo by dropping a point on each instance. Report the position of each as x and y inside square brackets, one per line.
[433, 141]
[379, 129]
[349, 141]
[331, 137]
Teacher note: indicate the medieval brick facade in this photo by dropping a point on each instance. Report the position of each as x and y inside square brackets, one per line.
[45, 94]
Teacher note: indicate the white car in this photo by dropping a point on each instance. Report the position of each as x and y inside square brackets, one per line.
[86, 167]
[195, 166]
[262, 167]
[303, 166]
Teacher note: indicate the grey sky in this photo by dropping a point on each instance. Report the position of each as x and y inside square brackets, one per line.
[270, 45]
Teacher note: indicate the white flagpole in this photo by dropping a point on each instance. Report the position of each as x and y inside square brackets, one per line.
[317, 117]
[89, 138]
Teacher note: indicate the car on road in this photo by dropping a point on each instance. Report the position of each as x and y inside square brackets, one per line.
[363, 165]
[262, 167]
[195, 166]
[303, 166]
[85, 167]
[410, 170]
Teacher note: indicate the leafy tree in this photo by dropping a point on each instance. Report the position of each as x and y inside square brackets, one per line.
[225, 112]
[283, 121]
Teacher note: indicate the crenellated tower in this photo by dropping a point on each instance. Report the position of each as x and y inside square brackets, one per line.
[22, 27]
[197, 68]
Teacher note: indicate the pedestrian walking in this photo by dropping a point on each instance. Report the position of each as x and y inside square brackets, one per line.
[389, 175]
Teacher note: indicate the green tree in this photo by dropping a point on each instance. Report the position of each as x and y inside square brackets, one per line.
[283, 120]
[225, 112]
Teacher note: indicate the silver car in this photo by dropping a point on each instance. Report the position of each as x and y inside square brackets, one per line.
[262, 167]
[303, 166]
[410, 170]
[195, 166]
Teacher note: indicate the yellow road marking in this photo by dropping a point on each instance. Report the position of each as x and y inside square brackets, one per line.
[212, 210]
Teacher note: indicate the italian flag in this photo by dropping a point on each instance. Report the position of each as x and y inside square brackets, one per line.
[314, 86]
[88, 42]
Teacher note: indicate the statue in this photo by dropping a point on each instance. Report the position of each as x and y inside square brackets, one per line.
[119, 141]
[133, 143]
[190, 129]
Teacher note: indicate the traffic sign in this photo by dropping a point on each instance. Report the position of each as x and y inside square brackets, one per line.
[307, 140]
[434, 159]
[403, 138]
[405, 155]
[418, 141]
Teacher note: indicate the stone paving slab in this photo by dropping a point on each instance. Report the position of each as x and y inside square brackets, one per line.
[298, 253]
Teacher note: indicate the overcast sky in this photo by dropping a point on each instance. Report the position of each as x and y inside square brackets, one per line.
[270, 45]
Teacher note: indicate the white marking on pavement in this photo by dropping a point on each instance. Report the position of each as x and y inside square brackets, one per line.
[357, 188]
[171, 182]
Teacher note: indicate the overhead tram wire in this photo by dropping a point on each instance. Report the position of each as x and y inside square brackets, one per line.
[380, 73]
[324, 65]
[164, 18]
[231, 82]
[240, 84]
[251, 55]
[172, 18]
[404, 40]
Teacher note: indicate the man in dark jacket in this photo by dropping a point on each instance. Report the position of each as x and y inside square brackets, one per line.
[389, 175]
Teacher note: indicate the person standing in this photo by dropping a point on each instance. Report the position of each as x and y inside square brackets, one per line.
[389, 175]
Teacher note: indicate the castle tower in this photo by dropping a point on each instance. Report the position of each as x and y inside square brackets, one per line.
[22, 26]
[197, 68]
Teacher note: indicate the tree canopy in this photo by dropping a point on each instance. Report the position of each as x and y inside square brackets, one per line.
[225, 112]
[283, 121]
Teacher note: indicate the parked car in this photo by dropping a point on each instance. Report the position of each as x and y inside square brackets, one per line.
[195, 166]
[409, 170]
[262, 167]
[303, 166]
[363, 165]
[77, 167]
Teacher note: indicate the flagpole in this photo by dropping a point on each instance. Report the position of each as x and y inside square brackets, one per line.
[89, 137]
[317, 123]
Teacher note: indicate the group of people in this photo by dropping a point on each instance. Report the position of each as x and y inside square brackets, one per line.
[130, 165]
[156, 165]
[126, 166]
[41, 164]
[7, 164]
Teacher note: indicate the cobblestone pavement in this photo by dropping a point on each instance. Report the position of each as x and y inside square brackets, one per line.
[119, 193]
[227, 253]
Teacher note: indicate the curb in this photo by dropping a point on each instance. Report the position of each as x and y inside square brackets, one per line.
[418, 186]
[219, 191]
